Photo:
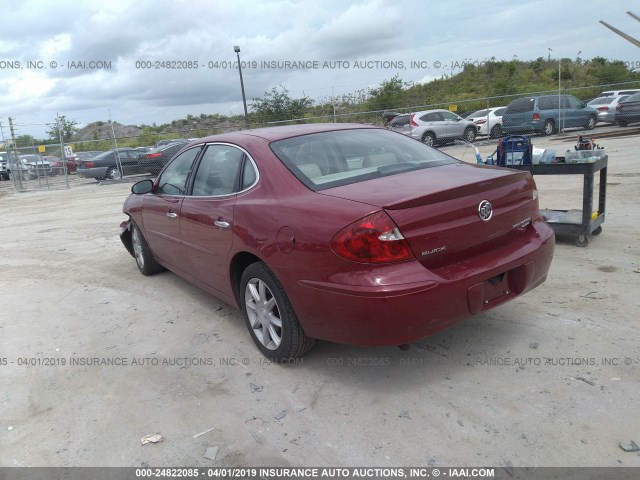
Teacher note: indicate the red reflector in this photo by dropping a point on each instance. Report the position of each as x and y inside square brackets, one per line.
[536, 116]
[373, 239]
[153, 155]
[413, 124]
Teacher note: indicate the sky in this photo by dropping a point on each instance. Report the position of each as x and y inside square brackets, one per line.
[96, 60]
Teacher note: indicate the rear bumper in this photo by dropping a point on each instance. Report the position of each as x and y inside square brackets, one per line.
[370, 314]
[628, 117]
[530, 127]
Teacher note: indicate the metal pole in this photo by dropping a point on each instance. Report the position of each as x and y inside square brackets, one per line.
[64, 157]
[17, 161]
[244, 99]
[560, 127]
[333, 100]
[115, 142]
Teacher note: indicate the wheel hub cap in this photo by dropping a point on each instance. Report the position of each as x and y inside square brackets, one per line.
[263, 313]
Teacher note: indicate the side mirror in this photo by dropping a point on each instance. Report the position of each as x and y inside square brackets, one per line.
[142, 187]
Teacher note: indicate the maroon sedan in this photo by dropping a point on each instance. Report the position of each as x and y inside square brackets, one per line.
[346, 233]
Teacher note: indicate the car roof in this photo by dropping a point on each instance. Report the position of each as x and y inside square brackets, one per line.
[422, 112]
[288, 131]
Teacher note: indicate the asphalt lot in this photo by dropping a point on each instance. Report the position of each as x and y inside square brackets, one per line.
[550, 379]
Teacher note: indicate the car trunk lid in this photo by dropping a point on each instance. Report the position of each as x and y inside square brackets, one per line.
[439, 209]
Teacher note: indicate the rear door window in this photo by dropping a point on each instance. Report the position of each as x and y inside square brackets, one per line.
[218, 171]
[432, 117]
[549, 102]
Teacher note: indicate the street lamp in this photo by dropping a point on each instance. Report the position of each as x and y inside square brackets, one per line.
[244, 99]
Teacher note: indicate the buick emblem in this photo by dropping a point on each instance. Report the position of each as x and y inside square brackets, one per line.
[485, 210]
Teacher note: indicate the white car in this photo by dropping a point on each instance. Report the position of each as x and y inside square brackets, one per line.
[606, 107]
[488, 121]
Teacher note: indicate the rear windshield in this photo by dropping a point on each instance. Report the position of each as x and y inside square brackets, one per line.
[330, 159]
[400, 121]
[520, 105]
[602, 101]
[479, 113]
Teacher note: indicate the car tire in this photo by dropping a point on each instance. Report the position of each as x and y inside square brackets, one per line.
[114, 174]
[496, 131]
[429, 139]
[623, 123]
[548, 128]
[269, 315]
[591, 122]
[142, 253]
[470, 134]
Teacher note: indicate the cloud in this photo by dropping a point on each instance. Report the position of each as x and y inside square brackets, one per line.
[126, 31]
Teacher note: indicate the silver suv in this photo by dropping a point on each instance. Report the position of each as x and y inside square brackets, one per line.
[440, 126]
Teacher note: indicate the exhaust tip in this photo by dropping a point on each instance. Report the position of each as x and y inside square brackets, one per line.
[404, 346]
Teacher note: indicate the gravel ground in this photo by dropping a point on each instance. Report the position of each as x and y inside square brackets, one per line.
[550, 379]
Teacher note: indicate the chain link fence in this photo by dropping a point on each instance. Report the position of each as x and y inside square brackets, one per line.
[119, 153]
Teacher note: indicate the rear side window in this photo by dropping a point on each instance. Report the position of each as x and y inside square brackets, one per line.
[520, 105]
[633, 98]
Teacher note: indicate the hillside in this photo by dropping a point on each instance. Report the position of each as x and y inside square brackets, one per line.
[103, 131]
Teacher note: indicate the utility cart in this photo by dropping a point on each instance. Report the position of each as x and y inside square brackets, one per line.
[578, 223]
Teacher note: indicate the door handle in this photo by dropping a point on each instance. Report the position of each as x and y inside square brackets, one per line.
[172, 215]
[221, 224]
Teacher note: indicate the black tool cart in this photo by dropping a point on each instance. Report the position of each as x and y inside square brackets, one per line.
[577, 223]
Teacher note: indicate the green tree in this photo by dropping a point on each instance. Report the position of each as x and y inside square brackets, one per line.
[25, 141]
[67, 127]
[278, 105]
[390, 94]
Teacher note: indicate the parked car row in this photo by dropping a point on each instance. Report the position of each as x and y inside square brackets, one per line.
[542, 114]
[31, 166]
[24, 167]
[113, 164]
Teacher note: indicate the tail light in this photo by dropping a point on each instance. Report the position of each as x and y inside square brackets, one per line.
[89, 165]
[536, 116]
[153, 155]
[619, 107]
[480, 122]
[603, 109]
[372, 239]
[413, 124]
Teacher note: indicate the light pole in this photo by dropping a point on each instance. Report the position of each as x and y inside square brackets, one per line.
[244, 99]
